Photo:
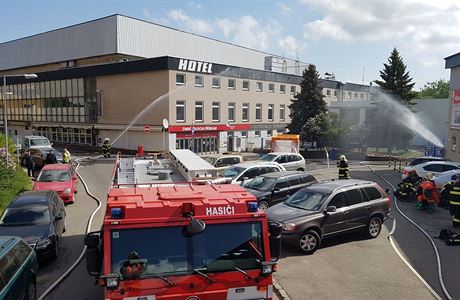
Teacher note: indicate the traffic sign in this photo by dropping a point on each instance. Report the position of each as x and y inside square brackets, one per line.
[146, 128]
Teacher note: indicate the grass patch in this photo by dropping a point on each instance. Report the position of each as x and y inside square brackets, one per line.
[12, 182]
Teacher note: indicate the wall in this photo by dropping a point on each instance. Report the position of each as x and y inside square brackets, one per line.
[453, 153]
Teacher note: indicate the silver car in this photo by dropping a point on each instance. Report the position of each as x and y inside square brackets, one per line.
[290, 161]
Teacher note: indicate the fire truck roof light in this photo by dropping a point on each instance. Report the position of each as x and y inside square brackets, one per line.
[116, 213]
[252, 207]
[188, 209]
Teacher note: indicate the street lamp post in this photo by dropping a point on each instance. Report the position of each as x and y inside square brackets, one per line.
[5, 115]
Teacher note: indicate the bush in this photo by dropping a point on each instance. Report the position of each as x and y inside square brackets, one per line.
[12, 182]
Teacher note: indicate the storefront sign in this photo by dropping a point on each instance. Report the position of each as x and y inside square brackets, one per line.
[195, 66]
[268, 126]
[198, 128]
[455, 117]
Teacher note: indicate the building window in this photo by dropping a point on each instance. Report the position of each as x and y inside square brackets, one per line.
[231, 84]
[349, 95]
[245, 114]
[231, 111]
[245, 85]
[292, 89]
[199, 80]
[335, 93]
[258, 112]
[269, 132]
[328, 92]
[257, 133]
[271, 87]
[282, 111]
[216, 82]
[244, 134]
[270, 112]
[180, 111]
[199, 111]
[259, 86]
[361, 96]
[180, 79]
[282, 89]
[216, 111]
[356, 95]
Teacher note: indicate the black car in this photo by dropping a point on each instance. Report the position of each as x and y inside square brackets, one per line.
[326, 209]
[39, 218]
[273, 188]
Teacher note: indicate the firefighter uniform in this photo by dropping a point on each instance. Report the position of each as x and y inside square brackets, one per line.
[106, 148]
[344, 171]
[445, 194]
[454, 202]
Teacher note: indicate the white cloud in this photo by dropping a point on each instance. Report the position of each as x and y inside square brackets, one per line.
[283, 7]
[195, 5]
[192, 24]
[325, 28]
[289, 44]
[146, 12]
[226, 26]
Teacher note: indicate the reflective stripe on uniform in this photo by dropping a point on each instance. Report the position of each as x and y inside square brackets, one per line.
[454, 202]
[456, 220]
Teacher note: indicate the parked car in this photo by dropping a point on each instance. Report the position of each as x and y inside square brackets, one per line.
[441, 179]
[18, 269]
[435, 167]
[273, 188]
[424, 159]
[221, 162]
[39, 156]
[326, 209]
[290, 161]
[39, 218]
[60, 178]
[243, 172]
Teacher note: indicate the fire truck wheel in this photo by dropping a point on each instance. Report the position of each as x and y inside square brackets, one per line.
[309, 241]
[263, 204]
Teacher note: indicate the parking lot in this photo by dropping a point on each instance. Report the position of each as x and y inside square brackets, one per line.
[349, 267]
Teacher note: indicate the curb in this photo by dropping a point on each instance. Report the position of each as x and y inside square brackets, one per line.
[279, 291]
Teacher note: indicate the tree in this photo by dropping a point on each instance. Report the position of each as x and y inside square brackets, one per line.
[387, 121]
[314, 128]
[334, 133]
[434, 90]
[307, 104]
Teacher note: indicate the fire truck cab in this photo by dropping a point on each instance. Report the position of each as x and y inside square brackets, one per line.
[163, 239]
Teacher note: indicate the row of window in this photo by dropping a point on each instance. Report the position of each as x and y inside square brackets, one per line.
[349, 94]
[231, 84]
[231, 109]
[66, 135]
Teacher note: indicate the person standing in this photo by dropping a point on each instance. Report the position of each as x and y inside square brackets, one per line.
[29, 162]
[344, 171]
[106, 147]
[454, 202]
[50, 158]
[66, 156]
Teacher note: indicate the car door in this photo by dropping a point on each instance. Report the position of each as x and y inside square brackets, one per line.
[433, 168]
[74, 177]
[336, 221]
[57, 214]
[357, 209]
[249, 174]
[26, 274]
[446, 168]
[280, 190]
[9, 268]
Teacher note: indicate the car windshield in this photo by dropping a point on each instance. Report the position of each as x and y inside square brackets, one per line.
[268, 157]
[209, 159]
[307, 199]
[29, 215]
[220, 247]
[232, 172]
[54, 176]
[39, 142]
[262, 183]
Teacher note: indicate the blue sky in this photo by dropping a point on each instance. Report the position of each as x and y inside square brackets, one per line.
[350, 38]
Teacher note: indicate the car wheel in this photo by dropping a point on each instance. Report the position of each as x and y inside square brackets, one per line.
[309, 241]
[31, 292]
[263, 204]
[55, 251]
[374, 227]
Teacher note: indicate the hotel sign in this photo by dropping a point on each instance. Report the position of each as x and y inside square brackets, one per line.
[194, 66]
[455, 116]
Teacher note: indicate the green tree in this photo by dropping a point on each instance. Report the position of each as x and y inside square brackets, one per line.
[334, 133]
[387, 120]
[307, 104]
[434, 90]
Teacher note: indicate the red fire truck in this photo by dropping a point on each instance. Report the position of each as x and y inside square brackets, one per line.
[164, 239]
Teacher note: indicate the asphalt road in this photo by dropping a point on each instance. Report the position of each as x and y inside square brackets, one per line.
[349, 267]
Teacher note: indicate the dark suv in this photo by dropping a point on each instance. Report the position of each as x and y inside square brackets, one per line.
[328, 208]
[273, 188]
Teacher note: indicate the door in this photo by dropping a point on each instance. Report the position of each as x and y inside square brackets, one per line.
[336, 221]
[230, 143]
[281, 190]
[10, 266]
[357, 215]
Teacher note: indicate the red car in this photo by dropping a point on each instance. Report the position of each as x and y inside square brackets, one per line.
[60, 178]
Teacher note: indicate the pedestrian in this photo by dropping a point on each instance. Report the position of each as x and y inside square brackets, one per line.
[106, 148]
[66, 156]
[50, 158]
[29, 162]
[428, 196]
[454, 202]
[140, 150]
[344, 171]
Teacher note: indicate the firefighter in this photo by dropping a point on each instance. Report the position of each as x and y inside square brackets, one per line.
[445, 194]
[411, 182]
[454, 202]
[66, 156]
[428, 196]
[106, 147]
[344, 171]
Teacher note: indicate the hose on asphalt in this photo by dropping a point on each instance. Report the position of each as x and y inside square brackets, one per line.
[88, 229]
[438, 259]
